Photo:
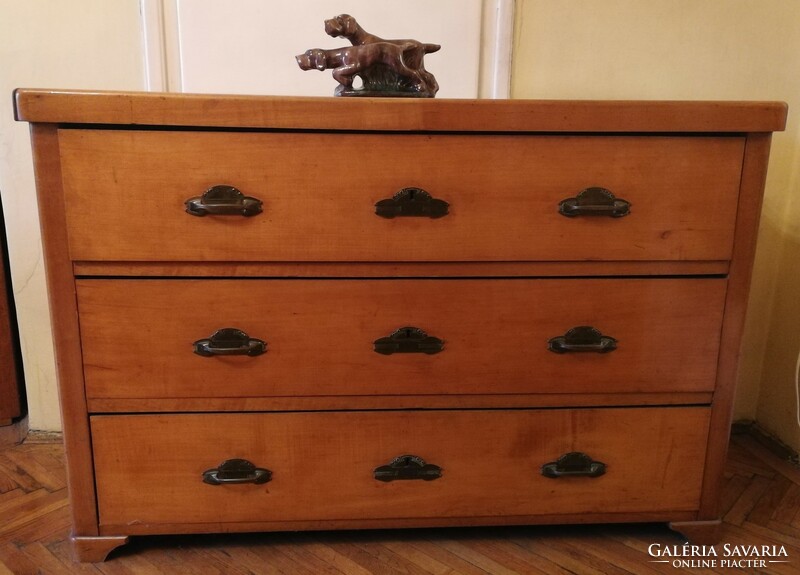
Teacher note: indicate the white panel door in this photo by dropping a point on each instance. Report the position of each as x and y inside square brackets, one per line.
[249, 46]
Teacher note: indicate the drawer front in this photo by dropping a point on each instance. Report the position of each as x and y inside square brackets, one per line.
[149, 468]
[125, 194]
[320, 336]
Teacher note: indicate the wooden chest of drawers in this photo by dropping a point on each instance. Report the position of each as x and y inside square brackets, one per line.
[291, 313]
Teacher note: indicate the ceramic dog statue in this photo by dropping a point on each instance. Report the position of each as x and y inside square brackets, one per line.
[386, 67]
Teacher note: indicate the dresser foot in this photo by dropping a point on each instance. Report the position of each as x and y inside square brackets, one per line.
[95, 549]
[699, 532]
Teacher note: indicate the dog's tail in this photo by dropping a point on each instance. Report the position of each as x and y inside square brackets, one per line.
[428, 48]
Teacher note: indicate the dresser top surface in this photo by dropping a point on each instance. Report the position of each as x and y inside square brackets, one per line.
[394, 114]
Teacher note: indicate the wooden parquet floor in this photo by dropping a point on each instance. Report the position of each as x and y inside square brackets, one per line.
[761, 502]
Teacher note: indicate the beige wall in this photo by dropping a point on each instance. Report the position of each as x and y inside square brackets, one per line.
[90, 44]
[696, 49]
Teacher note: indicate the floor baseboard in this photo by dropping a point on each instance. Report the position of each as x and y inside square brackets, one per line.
[773, 444]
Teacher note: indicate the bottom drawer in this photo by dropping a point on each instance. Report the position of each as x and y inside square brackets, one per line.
[150, 468]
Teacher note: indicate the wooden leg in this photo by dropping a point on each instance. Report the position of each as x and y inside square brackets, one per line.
[699, 532]
[95, 549]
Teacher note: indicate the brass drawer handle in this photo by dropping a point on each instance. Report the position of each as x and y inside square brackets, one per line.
[223, 201]
[408, 340]
[229, 341]
[583, 338]
[236, 471]
[574, 464]
[594, 202]
[412, 202]
[407, 467]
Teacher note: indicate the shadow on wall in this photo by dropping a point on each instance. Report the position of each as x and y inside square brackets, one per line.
[777, 402]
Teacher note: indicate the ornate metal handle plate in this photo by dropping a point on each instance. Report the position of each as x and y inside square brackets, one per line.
[229, 341]
[583, 338]
[574, 464]
[408, 340]
[407, 467]
[412, 202]
[236, 471]
[223, 201]
[594, 202]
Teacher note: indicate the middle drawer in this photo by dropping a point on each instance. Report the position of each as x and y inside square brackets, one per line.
[153, 338]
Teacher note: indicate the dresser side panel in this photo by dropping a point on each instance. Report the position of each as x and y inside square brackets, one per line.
[754, 173]
[66, 331]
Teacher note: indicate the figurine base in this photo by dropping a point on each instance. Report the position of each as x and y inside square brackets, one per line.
[362, 93]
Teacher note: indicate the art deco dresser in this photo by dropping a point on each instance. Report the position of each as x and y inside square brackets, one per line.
[297, 313]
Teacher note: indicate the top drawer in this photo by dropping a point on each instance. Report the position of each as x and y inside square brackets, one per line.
[125, 194]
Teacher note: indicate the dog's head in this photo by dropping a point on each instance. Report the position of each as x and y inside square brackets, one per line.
[310, 59]
[342, 25]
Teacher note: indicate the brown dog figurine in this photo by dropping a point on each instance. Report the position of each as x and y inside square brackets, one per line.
[386, 67]
[345, 26]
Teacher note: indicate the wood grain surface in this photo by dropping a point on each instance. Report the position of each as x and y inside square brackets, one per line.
[125, 193]
[148, 108]
[149, 467]
[137, 336]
